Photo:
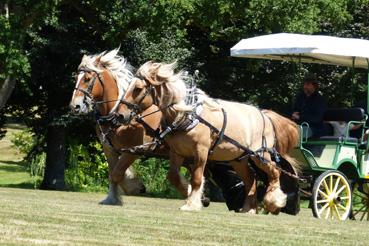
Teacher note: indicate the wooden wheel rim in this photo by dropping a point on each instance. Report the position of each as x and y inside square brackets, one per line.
[333, 198]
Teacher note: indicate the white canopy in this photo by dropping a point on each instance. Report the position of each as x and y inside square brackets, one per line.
[307, 48]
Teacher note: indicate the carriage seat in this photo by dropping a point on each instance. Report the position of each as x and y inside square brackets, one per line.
[335, 139]
[343, 114]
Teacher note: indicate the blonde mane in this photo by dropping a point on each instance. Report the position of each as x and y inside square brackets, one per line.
[116, 64]
[173, 89]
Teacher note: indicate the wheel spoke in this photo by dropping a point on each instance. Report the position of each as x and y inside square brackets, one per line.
[320, 212]
[362, 216]
[336, 185]
[326, 187]
[358, 211]
[328, 212]
[344, 197]
[331, 183]
[359, 194]
[322, 201]
[337, 213]
[342, 207]
[323, 194]
[341, 189]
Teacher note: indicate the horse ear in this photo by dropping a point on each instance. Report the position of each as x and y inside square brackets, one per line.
[97, 60]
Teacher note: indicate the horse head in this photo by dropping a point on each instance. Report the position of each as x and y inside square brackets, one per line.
[140, 95]
[100, 83]
[89, 88]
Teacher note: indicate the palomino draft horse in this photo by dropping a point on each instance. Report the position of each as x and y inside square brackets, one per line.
[220, 131]
[101, 83]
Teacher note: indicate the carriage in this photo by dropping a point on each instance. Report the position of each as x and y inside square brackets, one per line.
[335, 172]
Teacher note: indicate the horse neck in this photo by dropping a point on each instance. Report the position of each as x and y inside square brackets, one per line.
[171, 115]
[110, 95]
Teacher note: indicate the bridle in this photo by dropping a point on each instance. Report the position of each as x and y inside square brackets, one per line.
[136, 109]
[88, 92]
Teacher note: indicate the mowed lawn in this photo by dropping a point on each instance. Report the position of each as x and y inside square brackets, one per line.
[12, 171]
[48, 217]
[29, 216]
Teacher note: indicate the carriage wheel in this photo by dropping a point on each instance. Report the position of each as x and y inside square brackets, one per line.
[360, 207]
[332, 196]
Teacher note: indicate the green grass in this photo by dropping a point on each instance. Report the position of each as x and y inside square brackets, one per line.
[13, 173]
[49, 217]
[29, 217]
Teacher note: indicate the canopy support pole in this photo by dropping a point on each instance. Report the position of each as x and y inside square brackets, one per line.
[300, 77]
[367, 90]
[354, 84]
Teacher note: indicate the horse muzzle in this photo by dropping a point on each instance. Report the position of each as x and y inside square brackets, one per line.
[125, 119]
[79, 108]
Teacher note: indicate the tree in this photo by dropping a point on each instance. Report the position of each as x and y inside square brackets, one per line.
[55, 34]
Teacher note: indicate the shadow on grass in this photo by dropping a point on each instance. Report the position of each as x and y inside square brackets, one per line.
[166, 195]
[24, 185]
[18, 163]
[11, 166]
[12, 180]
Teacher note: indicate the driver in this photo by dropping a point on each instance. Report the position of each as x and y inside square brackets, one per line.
[310, 107]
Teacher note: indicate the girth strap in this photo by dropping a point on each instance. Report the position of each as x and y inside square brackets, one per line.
[221, 133]
[247, 151]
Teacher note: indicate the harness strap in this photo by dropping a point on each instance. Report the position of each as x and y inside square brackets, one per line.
[106, 139]
[248, 152]
[151, 131]
[221, 133]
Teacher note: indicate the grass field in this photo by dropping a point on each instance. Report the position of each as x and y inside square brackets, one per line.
[48, 217]
[12, 171]
[29, 216]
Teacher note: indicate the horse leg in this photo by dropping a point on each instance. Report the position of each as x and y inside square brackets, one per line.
[113, 197]
[193, 201]
[174, 176]
[275, 198]
[248, 177]
[122, 175]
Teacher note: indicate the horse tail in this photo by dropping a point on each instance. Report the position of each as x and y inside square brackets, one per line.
[286, 134]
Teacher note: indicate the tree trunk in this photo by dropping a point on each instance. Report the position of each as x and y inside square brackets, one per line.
[7, 86]
[6, 90]
[55, 159]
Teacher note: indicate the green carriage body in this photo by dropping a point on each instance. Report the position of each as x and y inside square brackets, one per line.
[345, 154]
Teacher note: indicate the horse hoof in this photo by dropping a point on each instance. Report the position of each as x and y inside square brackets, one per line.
[247, 211]
[187, 207]
[112, 202]
[205, 202]
[275, 200]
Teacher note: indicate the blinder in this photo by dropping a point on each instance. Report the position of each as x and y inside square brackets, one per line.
[91, 83]
[135, 107]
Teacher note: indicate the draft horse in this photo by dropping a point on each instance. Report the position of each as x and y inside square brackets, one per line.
[215, 130]
[100, 85]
